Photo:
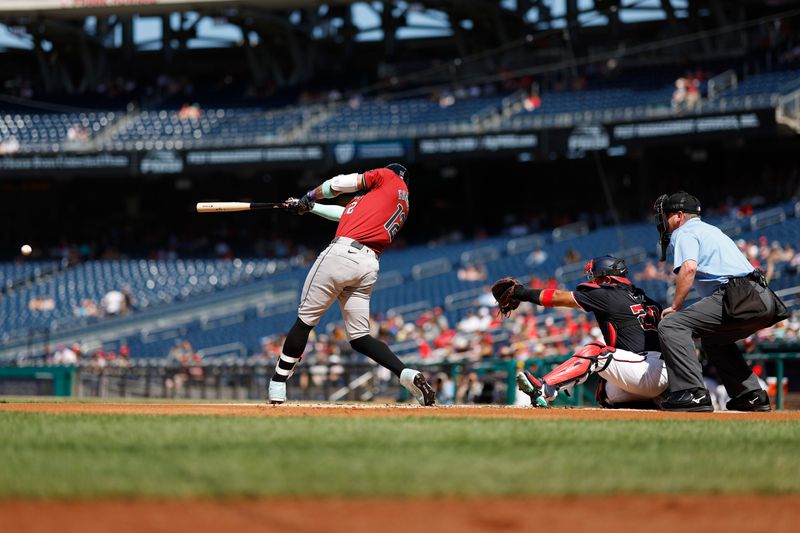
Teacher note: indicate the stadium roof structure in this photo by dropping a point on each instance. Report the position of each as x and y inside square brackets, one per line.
[505, 18]
[83, 8]
[289, 42]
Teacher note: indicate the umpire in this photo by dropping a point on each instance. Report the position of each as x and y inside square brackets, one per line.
[736, 302]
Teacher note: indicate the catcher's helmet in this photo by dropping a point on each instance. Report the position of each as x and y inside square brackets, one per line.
[606, 266]
[400, 170]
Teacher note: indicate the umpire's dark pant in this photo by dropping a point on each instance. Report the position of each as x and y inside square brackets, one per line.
[717, 338]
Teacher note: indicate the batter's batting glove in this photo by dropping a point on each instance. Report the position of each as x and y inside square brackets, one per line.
[306, 204]
[503, 292]
[299, 206]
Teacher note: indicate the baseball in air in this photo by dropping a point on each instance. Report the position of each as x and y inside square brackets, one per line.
[26, 249]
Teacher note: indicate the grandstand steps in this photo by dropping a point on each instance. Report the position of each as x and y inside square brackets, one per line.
[787, 112]
[99, 141]
[301, 132]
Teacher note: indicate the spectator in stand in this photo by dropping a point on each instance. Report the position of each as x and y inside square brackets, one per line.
[651, 272]
[181, 358]
[130, 299]
[43, 304]
[189, 112]
[571, 256]
[469, 388]
[113, 303]
[9, 145]
[64, 356]
[536, 257]
[445, 388]
[472, 272]
[692, 93]
[679, 96]
[87, 309]
[77, 134]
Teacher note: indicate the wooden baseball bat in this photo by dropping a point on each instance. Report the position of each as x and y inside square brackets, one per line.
[219, 207]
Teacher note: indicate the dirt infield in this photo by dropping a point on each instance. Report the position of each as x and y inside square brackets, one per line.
[378, 410]
[653, 513]
[598, 514]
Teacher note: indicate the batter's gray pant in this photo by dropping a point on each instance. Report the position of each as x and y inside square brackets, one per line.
[345, 273]
[717, 338]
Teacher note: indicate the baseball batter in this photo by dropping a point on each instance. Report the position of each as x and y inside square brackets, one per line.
[629, 363]
[348, 268]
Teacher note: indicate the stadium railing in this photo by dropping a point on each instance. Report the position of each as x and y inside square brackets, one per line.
[489, 381]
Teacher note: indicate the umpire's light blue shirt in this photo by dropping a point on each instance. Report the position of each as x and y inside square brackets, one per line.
[717, 256]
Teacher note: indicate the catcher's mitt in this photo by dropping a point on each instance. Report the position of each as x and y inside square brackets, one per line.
[503, 291]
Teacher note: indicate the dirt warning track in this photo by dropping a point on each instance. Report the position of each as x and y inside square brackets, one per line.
[599, 514]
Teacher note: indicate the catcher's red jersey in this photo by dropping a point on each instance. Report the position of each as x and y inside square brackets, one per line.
[375, 217]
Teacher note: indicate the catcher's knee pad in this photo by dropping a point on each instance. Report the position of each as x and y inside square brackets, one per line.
[592, 358]
[600, 355]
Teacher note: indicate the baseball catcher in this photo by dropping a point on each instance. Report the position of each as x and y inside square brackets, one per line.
[628, 362]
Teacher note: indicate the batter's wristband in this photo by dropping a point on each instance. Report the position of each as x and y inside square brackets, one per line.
[327, 190]
[547, 297]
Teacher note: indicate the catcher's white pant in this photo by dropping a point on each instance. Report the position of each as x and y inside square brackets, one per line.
[631, 376]
[345, 273]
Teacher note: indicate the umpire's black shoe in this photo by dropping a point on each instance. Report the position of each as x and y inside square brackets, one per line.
[754, 400]
[695, 400]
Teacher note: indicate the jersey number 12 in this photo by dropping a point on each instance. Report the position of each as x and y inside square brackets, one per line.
[394, 224]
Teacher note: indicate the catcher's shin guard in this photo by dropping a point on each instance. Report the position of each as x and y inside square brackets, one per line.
[592, 358]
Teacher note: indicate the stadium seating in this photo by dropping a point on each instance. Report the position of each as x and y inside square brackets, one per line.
[375, 118]
[166, 129]
[53, 132]
[150, 283]
[403, 118]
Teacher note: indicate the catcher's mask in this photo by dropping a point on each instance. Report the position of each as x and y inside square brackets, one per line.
[400, 170]
[666, 205]
[606, 266]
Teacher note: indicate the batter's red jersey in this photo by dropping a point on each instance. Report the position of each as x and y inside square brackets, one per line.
[375, 217]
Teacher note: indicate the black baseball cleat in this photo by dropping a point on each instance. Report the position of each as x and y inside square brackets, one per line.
[692, 400]
[754, 400]
[418, 386]
[428, 394]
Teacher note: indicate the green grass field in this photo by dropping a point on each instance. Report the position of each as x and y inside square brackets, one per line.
[47, 455]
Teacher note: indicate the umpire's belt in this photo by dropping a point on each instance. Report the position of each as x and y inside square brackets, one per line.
[354, 244]
[755, 276]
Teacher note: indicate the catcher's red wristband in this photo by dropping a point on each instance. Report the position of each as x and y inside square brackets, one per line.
[547, 297]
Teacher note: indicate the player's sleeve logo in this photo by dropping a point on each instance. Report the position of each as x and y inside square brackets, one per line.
[396, 222]
[648, 316]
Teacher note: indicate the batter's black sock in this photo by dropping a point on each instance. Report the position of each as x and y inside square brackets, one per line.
[379, 352]
[293, 348]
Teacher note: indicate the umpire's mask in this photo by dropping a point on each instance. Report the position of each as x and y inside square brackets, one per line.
[661, 224]
[666, 204]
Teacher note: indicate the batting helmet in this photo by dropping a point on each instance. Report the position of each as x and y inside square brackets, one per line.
[400, 170]
[606, 266]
